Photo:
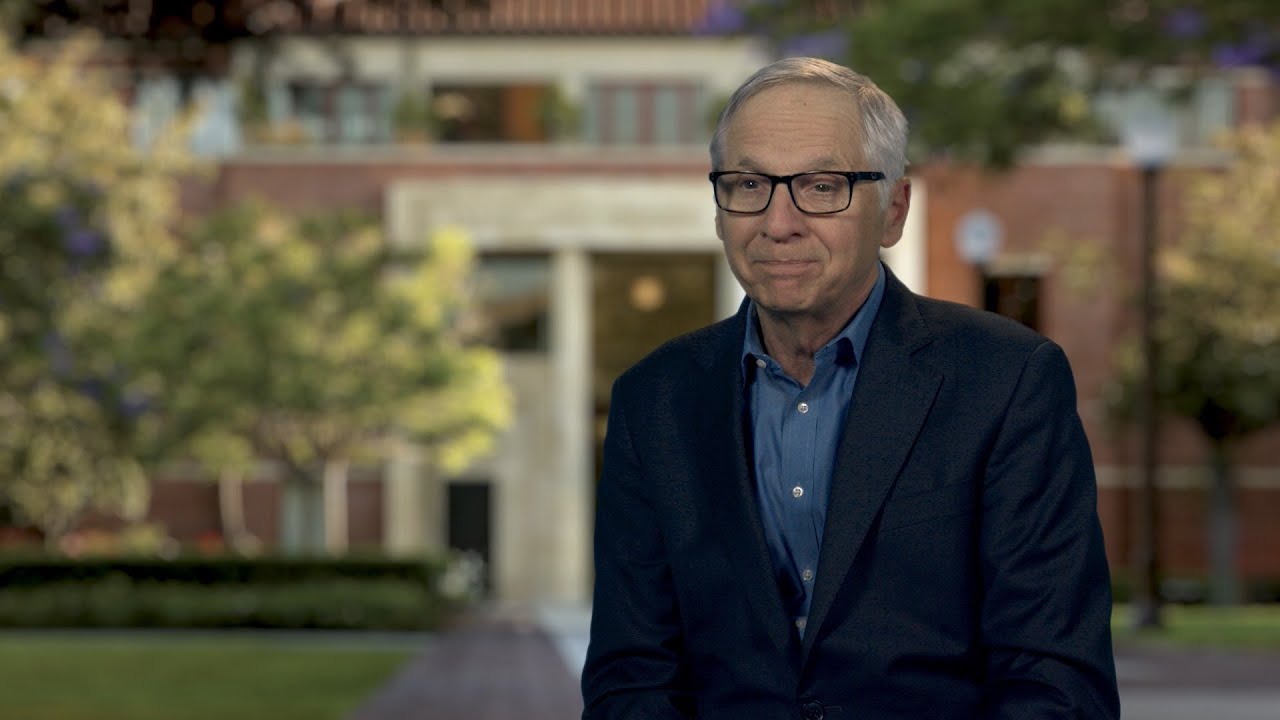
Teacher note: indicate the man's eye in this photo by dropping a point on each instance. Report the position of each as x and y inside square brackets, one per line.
[749, 184]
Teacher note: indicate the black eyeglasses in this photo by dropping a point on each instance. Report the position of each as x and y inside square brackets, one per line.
[814, 193]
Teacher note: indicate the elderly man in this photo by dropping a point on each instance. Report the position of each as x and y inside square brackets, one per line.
[846, 501]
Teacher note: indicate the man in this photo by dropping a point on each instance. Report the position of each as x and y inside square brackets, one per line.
[847, 501]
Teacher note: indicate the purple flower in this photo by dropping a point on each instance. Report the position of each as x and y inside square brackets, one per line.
[134, 405]
[1184, 23]
[1251, 52]
[55, 347]
[93, 387]
[724, 17]
[82, 242]
[827, 44]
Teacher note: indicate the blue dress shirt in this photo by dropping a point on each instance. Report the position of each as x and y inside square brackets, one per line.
[795, 431]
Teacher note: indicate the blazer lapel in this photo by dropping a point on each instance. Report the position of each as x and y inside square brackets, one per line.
[891, 400]
[731, 489]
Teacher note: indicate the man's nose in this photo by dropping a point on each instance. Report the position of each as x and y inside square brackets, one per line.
[782, 219]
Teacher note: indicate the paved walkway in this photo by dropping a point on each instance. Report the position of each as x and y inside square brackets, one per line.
[505, 666]
[491, 667]
[1165, 684]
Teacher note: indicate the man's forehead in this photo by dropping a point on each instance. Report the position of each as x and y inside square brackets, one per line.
[794, 127]
[778, 152]
[802, 94]
[753, 164]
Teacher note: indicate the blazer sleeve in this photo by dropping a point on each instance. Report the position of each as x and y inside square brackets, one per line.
[634, 659]
[1046, 614]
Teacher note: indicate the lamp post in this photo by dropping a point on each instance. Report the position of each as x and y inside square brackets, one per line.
[1149, 138]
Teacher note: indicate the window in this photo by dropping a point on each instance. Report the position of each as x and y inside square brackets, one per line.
[1014, 296]
[469, 519]
[310, 108]
[158, 101]
[513, 295]
[493, 113]
[624, 113]
[345, 112]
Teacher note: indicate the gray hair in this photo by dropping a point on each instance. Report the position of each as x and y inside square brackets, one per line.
[883, 125]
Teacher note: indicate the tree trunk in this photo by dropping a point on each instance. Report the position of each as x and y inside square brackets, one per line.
[53, 537]
[1224, 579]
[55, 526]
[231, 513]
[335, 506]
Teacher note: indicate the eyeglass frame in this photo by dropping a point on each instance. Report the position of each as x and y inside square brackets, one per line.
[854, 177]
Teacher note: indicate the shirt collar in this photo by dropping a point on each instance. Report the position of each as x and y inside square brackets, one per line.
[848, 344]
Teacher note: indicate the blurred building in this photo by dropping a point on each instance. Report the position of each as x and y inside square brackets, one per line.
[569, 138]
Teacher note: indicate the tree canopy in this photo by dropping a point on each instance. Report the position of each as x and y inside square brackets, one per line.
[1218, 300]
[982, 79]
[130, 336]
[86, 219]
[307, 339]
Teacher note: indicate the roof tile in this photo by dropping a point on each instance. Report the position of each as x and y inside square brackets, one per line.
[494, 17]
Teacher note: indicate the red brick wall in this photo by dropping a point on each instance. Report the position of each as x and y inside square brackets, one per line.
[364, 513]
[1183, 533]
[262, 511]
[189, 510]
[1093, 203]
[360, 184]
[1098, 204]
[1257, 98]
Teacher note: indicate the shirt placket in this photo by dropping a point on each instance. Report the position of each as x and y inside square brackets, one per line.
[800, 437]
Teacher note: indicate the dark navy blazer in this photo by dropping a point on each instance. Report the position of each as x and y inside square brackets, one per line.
[962, 571]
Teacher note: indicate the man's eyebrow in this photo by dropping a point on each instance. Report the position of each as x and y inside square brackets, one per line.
[748, 164]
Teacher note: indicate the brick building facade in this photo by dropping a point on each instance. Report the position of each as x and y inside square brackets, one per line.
[636, 213]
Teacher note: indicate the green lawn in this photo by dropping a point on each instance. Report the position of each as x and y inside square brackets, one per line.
[72, 677]
[1253, 627]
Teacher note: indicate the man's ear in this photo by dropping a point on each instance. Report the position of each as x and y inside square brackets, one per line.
[896, 214]
[720, 225]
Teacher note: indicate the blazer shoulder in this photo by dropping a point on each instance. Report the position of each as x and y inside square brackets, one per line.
[682, 356]
[975, 333]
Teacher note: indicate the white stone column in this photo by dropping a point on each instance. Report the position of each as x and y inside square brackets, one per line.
[412, 504]
[729, 293]
[336, 506]
[909, 259]
[570, 320]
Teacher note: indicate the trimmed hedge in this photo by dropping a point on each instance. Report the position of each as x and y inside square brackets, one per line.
[221, 592]
[34, 570]
[1184, 590]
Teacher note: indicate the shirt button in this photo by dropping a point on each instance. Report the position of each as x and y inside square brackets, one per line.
[800, 623]
[803, 408]
[807, 574]
[797, 491]
[760, 363]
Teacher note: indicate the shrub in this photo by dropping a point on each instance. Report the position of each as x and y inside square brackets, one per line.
[346, 594]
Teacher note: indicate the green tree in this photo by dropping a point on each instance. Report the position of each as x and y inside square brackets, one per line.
[982, 79]
[1218, 333]
[86, 218]
[310, 344]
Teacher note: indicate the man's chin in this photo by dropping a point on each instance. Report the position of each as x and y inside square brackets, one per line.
[782, 305]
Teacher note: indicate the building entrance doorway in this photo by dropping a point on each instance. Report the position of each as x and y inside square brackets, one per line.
[470, 511]
[640, 301]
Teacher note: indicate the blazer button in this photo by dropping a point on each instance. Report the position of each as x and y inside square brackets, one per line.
[812, 711]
